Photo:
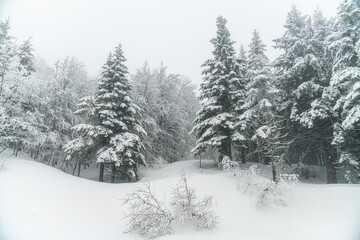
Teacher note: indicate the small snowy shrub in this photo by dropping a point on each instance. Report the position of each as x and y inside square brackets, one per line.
[2, 165]
[248, 179]
[305, 171]
[271, 192]
[228, 165]
[147, 215]
[158, 163]
[187, 208]
[289, 178]
[266, 192]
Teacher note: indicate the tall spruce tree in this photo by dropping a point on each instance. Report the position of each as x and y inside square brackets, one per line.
[259, 95]
[214, 122]
[302, 75]
[112, 126]
[345, 86]
[27, 59]
[238, 85]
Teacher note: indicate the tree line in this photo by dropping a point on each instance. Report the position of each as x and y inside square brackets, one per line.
[61, 116]
[301, 108]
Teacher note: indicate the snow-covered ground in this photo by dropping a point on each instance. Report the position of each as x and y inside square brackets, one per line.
[38, 202]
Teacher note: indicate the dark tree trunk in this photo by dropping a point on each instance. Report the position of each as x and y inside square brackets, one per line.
[101, 173]
[243, 155]
[79, 167]
[273, 168]
[267, 160]
[228, 149]
[330, 159]
[73, 173]
[113, 172]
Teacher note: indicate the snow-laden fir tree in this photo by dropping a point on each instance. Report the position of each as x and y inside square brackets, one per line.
[15, 124]
[27, 59]
[345, 86]
[112, 126]
[238, 86]
[214, 122]
[258, 117]
[302, 74]
[319, 117]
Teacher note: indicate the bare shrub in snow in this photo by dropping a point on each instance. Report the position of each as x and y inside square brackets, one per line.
[305, 171]
[147, 214]
[187, 208]
[272, 192]
[248, 179]
[2, 165]
[289, 178]
[266, 192]
[158, 163]
[228, 165]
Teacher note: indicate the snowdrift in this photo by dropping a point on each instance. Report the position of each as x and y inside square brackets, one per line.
[40, 202]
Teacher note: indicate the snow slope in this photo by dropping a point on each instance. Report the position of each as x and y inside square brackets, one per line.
[38, 202]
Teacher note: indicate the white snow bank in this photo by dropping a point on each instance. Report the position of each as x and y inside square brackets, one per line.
[40, 202]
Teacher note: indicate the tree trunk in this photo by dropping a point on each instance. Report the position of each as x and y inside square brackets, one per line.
[73, 173]
[113, 172]
[200, 160]
[228, 149]
[330, 159]
[273, 168]
[79, 167]
[101, 173]
[243, 155]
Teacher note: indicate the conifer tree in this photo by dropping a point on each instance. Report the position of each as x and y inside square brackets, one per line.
[302, 75]
[260, 93]
[238, 85]
[214, 122]
[112, 126]
[27, 59]
[345, 86]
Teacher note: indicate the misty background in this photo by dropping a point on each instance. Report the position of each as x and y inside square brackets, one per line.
[176, 33]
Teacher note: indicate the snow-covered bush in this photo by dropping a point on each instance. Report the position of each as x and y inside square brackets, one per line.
[147, 214]
[228, 165]
[2, 165]
[158, 163]
[271, 192]
[305, 171]
[289, 178]
[186, 207]
[248, 179]
[266, 191]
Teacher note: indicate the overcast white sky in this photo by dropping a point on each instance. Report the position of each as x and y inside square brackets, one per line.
[176, 33]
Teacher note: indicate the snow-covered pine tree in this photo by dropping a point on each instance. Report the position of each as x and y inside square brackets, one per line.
[214, 122]
[345, 86]
[302, 73]
[319, 117]
[260, 96]
[14, 125]
[27, 59]
[112, 127]
[238, 86]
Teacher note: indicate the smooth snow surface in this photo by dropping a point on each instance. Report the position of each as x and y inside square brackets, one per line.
[38, 202]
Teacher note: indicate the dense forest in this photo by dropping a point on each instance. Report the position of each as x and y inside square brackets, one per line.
[302, 108]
